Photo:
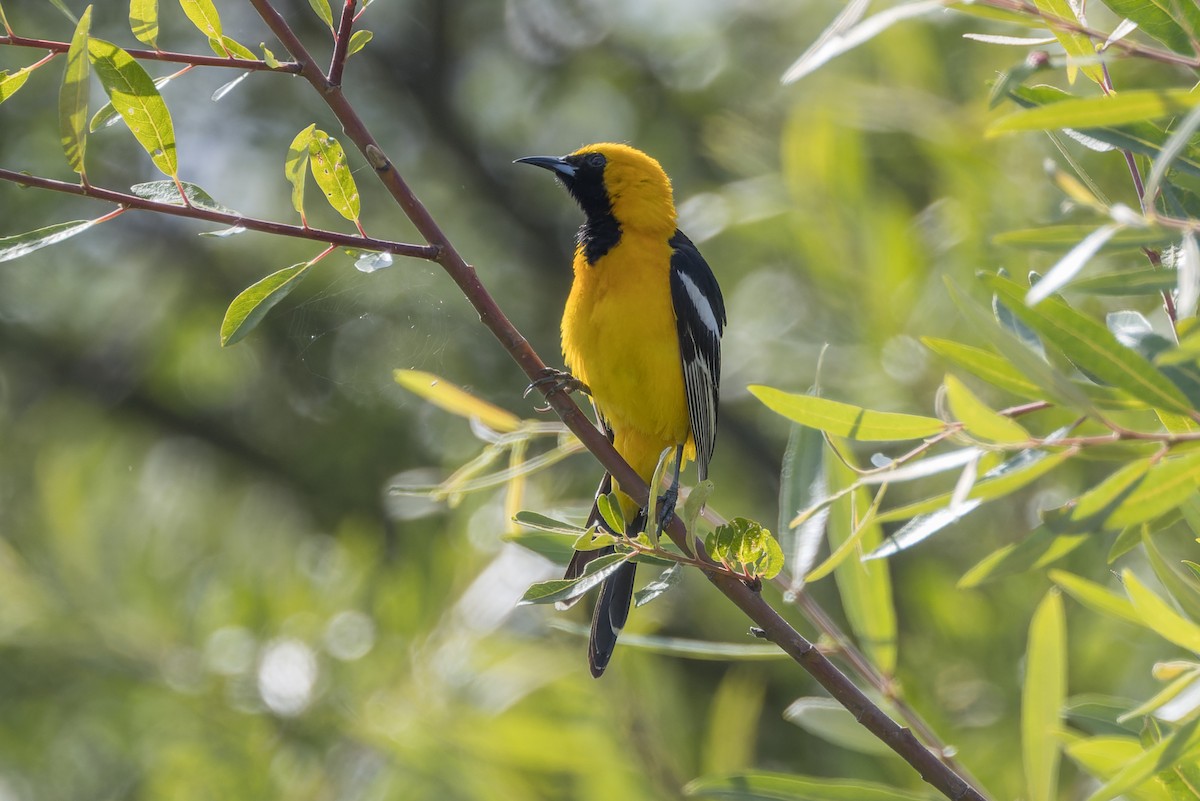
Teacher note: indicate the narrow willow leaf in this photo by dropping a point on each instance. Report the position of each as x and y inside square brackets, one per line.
[1181, 588]
[1096, 112]
[541, 522]
[1042, 698]
[1103, 757]
[1177, 747]
[448, 397]
[1162, 697]
[1156, 18]
[1092, 509]
[788, 787]
[1005, 479]
[358, 40]
[1096, 597]
[548, 592]
[994, 369]
[11, 82]
[249, 308]
[1042, 547]
[702, 650]
[323, 11]
[830, 47]
[143, 21]
[978, 418]
[921, 528]
[168, 192]
[204, 16]
[73, 96]
[1011, 41]
[18, 245]
[1159, 616]
[865, 587]
[141, 106]
[923, 468]
[228, 87]
[666, 580]
[295, 168]
[4, 21]
[107, 115]
[845, 420]
[231, 47]
[1070, 265]
[1065, 237]
[1181, 135]
[1169, 482]
[1187, 267]
[328, 163]
[66, 11]
[802, 483]
[1079, 47]
[827, 719]
[1148, 281]
[1093, 348]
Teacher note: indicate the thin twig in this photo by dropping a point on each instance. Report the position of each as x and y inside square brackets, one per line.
[428, 252]
[162, 55]
[341, 44]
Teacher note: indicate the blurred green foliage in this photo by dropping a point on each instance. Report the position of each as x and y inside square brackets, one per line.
[207, 589]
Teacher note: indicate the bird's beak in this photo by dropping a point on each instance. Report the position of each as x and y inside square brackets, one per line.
[552, 163]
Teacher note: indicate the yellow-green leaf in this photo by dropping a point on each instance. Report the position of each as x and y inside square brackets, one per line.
[456, 401]
[1042, 698]
[329, 168]
[1096, 112]
[11, 82]
[143, 21]
[1159, 616]
[845, 420]
[1168, 483]
[269, 57]
[226, 46]
[18, 245]
[137, 101]
[1157, 18]
[73, 96]
[1176, 748]
[1103, 757]
[994, 369]
[978, 418]
[1096, 597]
[295, 168]
[252, 304]
[323, 11]
[788, 787]
[1077, 45]
[204, 16]
[358, 40]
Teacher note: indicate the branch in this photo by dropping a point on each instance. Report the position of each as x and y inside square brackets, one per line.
[162, 55]
[341, 44]
[774, 627]
[429, 252]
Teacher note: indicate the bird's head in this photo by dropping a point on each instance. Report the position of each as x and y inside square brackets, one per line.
[615, 180]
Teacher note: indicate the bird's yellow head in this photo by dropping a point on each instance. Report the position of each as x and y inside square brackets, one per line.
[616, 181]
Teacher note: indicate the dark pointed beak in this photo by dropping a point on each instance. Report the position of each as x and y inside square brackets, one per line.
[552, 163]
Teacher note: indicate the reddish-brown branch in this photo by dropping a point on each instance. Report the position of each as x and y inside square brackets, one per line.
[341, 44]
[429, 252]
[161, 55]
[774, 627]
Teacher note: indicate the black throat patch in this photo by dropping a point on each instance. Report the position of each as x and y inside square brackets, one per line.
[600, 231]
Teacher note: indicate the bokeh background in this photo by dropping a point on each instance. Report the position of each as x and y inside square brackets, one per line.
[207, 589]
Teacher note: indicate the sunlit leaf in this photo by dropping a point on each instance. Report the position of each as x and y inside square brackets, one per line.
[107, 115]
[833, 723]
[1181, 744]
[323, 11]
[1183, 589]
[226, 46]
[73, 96]
[358, 40]
[1164, 696]
[1065, 237]
[746, 546]
[228, 87]
[457, 401]
[61, 6]
[168, 192]
[204, 16]
[994, 369]
[788, 787]
[1169, 482]
[1042, 698]
[269, 57]
[1147, 281]
[1096, 597]
[295, 168]
[1042, 547]
[1095, 112]
[143, 21]
[666, 580]
[328, 163]
[138, 102]
[1069, 265]
[1092, 509]
[845, 420]
[1157, 18]
[1103, 757]
[703, 650]
[1078, 46]
[1159, 616]
[548, 592]
[18, 245]
[249, 308]
[978, 418]
[802, 483]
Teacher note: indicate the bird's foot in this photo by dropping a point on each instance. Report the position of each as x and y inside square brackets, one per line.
[666, 507]
[558, 381]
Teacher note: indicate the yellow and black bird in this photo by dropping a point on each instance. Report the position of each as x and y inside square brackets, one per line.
[642, 332]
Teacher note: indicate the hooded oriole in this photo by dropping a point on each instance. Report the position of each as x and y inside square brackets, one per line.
[642, 331]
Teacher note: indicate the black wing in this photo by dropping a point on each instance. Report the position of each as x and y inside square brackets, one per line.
[700, 321]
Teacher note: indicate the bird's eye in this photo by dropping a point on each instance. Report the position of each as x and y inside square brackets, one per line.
[595, 160]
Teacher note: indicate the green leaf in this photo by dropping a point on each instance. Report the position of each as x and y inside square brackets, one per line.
[1092, 509]
[168, 192]
[1180, 745]
[323, 11]
[548, 592]
[1092, 347]
[107, 114]
[540, 522]
[844, 420]
[666, 580]
[226, 46]
[1078, 46]
[1095, 112]
[1042, 698]
[329, 168]
[139, 103]
[269, 57]
[358, 40]
[702, 650]
[1182, 588]
[1042, 547]
[1133, 282]
[295, 168]
[745, 545]
[1103, 757]
[610, 511]
[1096, 597]
[1065, 237]
[4, 21]
[833, 723]
[865, 587]
[1169, 482]
[252, 304]
[978, 418]
[996, 370]
[73, 96]
[1156, 18]
[11, 82]
[66, 11]
[785, 787]
[1158, 615]
[555, 547]
[18, 245]
[204, 16]
[143, 21]
[802, 484]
